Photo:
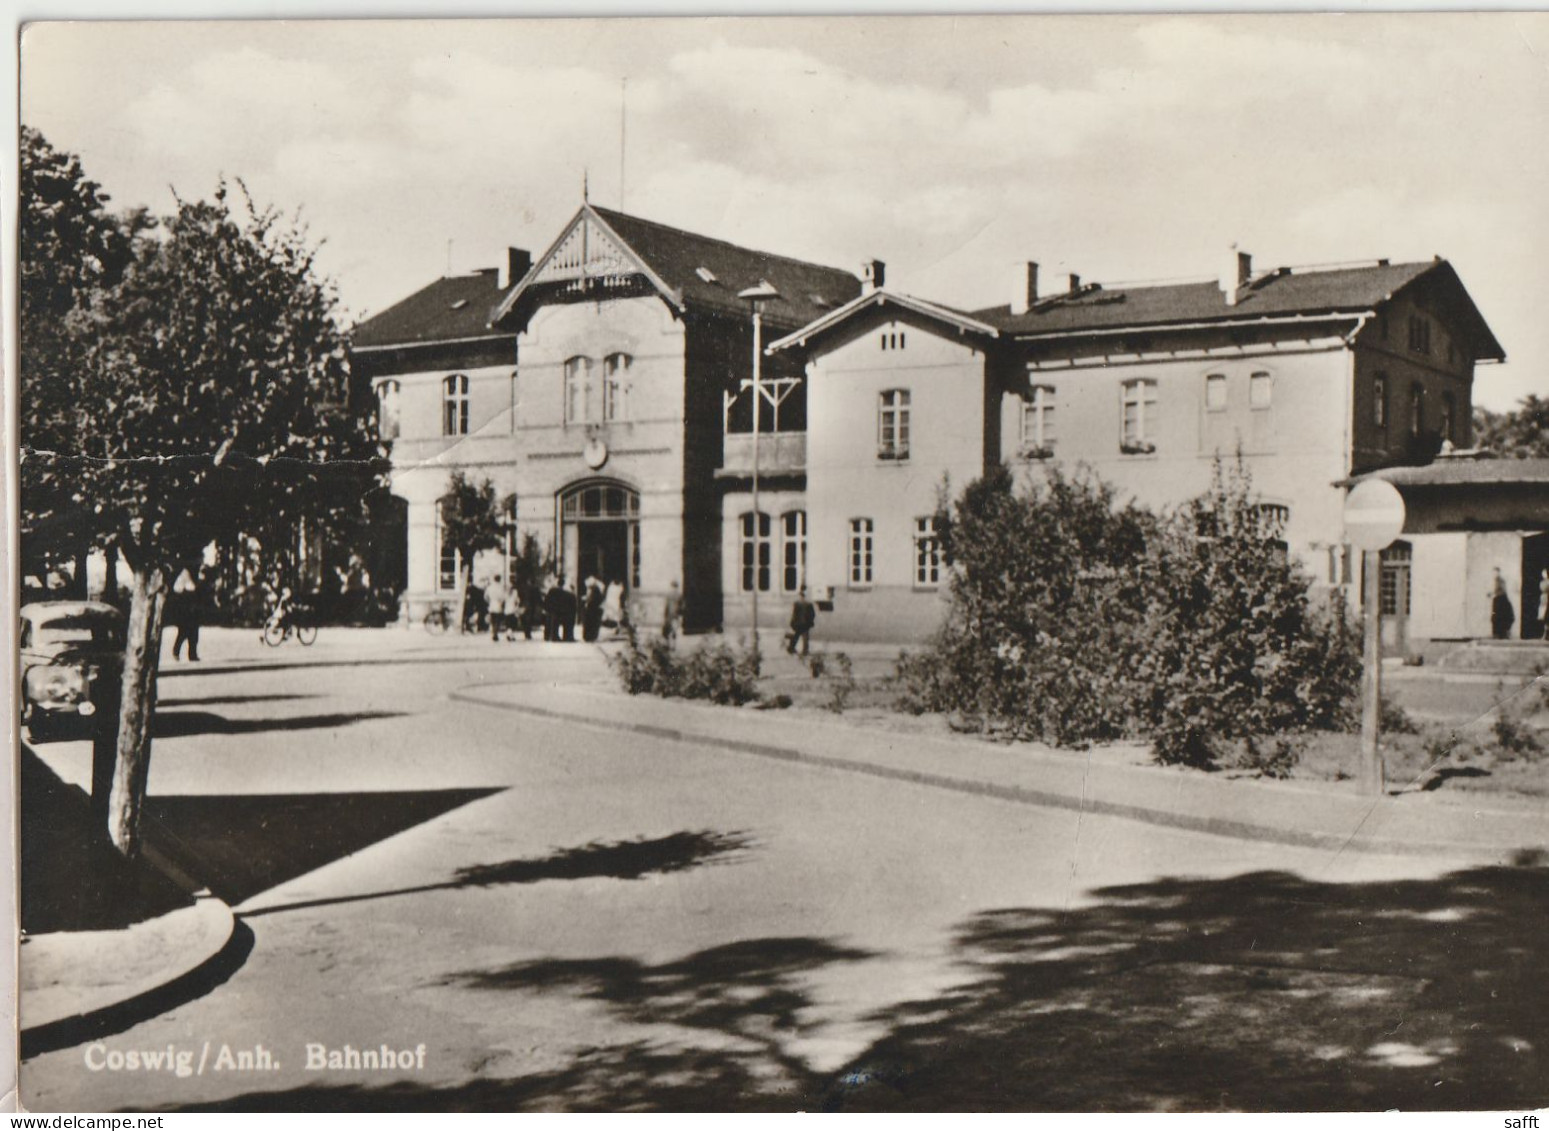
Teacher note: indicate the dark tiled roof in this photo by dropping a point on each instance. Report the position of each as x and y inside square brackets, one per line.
[807, 290]
[1456, 472]
[1306, 292]
[448, 310]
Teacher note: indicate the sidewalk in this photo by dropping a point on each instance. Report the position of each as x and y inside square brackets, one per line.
[1331, 815]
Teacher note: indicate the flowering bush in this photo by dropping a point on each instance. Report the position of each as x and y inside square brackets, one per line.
[717, 672]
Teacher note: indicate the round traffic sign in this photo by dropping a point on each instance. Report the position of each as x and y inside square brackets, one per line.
[1374, 515]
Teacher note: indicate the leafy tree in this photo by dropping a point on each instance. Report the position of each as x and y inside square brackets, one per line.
[470, 523]
[210, 397]
[69, 248]
[1522, 433]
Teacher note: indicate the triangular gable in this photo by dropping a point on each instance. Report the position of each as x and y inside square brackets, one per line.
[588, 253]
[930, 311]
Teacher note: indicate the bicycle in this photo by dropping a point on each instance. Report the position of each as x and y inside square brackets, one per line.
[439, 618]
[277, 630]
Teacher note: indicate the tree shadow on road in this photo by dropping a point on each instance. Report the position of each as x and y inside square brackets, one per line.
[182, 724]
[1262, 992]
[733, 1009]
[1265, 992]
[619, 860]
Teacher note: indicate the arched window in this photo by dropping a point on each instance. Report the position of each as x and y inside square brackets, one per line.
[793, 550]
[615, 386]
[578, 390]
[1380, 400]
[1261, 390]
[1449, 418]
[756, 552]
[1215, 392]
[454, 405]
[1416, 409]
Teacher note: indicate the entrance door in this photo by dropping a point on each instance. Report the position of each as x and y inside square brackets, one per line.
[602, 550]
[1394, 598]
[1535, 559]
[601, 533]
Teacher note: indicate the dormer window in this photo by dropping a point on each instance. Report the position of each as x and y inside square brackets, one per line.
[706, 274]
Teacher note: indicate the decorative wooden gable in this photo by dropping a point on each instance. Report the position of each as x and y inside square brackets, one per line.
[588, 262]
[587, 251]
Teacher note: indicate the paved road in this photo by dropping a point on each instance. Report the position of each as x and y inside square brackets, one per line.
[569, 917]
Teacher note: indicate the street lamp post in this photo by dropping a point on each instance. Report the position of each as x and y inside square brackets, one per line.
[756, 295]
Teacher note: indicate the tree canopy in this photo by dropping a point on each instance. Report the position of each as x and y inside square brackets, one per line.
[1521, 433]
[188, 381]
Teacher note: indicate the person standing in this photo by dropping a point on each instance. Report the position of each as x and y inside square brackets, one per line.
[186, 615]
[591, 611]
[804, 617]
[495, 597]
[1502, 615]
[613, 606]
[1543, 604]
[672, 613]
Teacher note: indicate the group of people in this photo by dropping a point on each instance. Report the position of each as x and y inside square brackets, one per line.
[554, 609]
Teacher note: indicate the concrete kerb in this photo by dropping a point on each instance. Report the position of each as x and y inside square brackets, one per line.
[79, 984]
[1356, 820]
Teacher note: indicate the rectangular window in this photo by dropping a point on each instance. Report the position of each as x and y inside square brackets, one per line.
[893, 424]
[1038, 422]
[860, 551]
[793, 550]
[756, 552]
[615, 386]
[1449, 415]
[927, 552]
[1139, 416]
[387, 393]
[1416, 409]
[1261, 389]
[448, 560]
[1215, 392]
[578, 390]
[1419, 334]
[1380, 400]
[454, 405]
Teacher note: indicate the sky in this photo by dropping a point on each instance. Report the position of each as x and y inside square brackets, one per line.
[1122, 147]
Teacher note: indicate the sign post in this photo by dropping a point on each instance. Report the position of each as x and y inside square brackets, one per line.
[1374, 516]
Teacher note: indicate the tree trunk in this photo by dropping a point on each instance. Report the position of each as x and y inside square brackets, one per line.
[464, 577]
[142, 655]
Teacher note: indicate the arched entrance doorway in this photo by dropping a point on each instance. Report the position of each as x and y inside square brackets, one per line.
[600, 532]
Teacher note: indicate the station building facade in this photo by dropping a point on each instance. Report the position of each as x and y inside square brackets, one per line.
[605, 390]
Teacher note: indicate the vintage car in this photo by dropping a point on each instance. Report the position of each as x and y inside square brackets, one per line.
[72, 657]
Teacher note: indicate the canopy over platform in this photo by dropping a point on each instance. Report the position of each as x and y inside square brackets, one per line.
[1468, 492]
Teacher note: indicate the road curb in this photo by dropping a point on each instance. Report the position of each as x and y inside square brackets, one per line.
[180, 955]
[1217, 826]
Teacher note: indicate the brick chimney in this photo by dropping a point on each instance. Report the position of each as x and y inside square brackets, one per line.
[1075, 282]
[873, 275]
[1024, 292]
[517, 264]
[1235, 273]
